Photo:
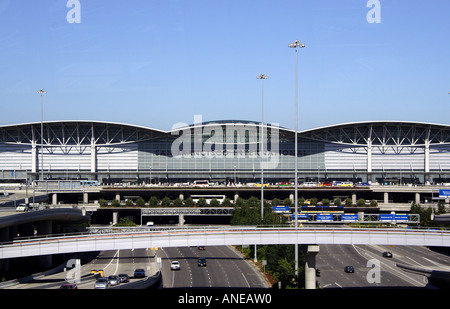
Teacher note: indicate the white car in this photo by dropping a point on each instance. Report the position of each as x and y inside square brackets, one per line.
[175, 265]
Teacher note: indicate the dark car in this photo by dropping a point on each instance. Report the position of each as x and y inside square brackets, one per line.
[68, 286]
[139, 273]
[387, 254]
[201, 262]
[123, 278]
[349, 269]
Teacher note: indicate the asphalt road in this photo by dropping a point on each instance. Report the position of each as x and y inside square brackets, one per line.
[112, 262]
[225, 269]
[372, 270]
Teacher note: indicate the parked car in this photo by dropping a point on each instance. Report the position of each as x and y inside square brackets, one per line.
[201, 248]
[349, 269]
[201, 262]
[139, 273]
[102, 283]
[123, 278]
[175, 265]
[387, 254]
[114, 280]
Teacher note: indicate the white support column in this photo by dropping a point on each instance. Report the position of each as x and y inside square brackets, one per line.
[310, 266]
[427, 161]
[33, 157]
[369, 156]
[93, 152]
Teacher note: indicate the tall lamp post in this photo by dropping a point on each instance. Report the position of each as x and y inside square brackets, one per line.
[41, 92]
[296, 45]
[262, 77]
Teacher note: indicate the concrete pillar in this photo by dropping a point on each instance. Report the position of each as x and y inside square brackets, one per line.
[386, 197]
[236, 196]
[291, 197]
[85, 197]
[115, 218]
[310, 266]
[118, 196]
[181, 219]
[417, 198]
[354, 198]
[55, 199]
[181, 196]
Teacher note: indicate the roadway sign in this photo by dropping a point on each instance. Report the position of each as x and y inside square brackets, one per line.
[281, 209]
[444, 192]
[349, 217]
[324, 217]
[301, 217]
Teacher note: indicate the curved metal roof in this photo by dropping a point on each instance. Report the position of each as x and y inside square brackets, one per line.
[86, 132]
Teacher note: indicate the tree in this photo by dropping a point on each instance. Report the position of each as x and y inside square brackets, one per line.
[287, 202]
[201, 202]
[115, 203]
[227, 202]
[214, 203]
[325, 202]
[102, 202]
[348, 202]
[361, 202]
[153, 202]
[189, 202]
[178, 202]
[165, 201]
[276, 201]
[128, 202]
[140, 202]
[337, 201]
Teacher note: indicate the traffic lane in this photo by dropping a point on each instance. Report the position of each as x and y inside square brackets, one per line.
[225, 269]
[332, 259]
[240, 273]
[111, 262]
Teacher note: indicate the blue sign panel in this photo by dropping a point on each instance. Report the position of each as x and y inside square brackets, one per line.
[280, 208]
[349, 217]
[301, 217]
[324, 217]
[444, 192]
[384, 217]
[400, 218]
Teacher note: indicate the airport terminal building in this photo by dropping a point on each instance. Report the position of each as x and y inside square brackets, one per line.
[225, 152]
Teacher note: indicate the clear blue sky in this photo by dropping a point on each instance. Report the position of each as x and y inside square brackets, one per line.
[158, 62]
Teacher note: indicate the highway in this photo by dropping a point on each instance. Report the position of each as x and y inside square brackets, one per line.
[112, 262]
[225, 269]
[332, 259]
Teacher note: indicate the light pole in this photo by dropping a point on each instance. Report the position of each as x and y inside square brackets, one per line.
[41, 92]
[296, 45]
[262, 77]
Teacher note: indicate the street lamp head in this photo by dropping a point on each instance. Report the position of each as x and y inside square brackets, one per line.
[296, 44]
[262, 76]
[41, 91]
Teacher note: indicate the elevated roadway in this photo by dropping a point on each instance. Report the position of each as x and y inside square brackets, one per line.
[223, 236]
